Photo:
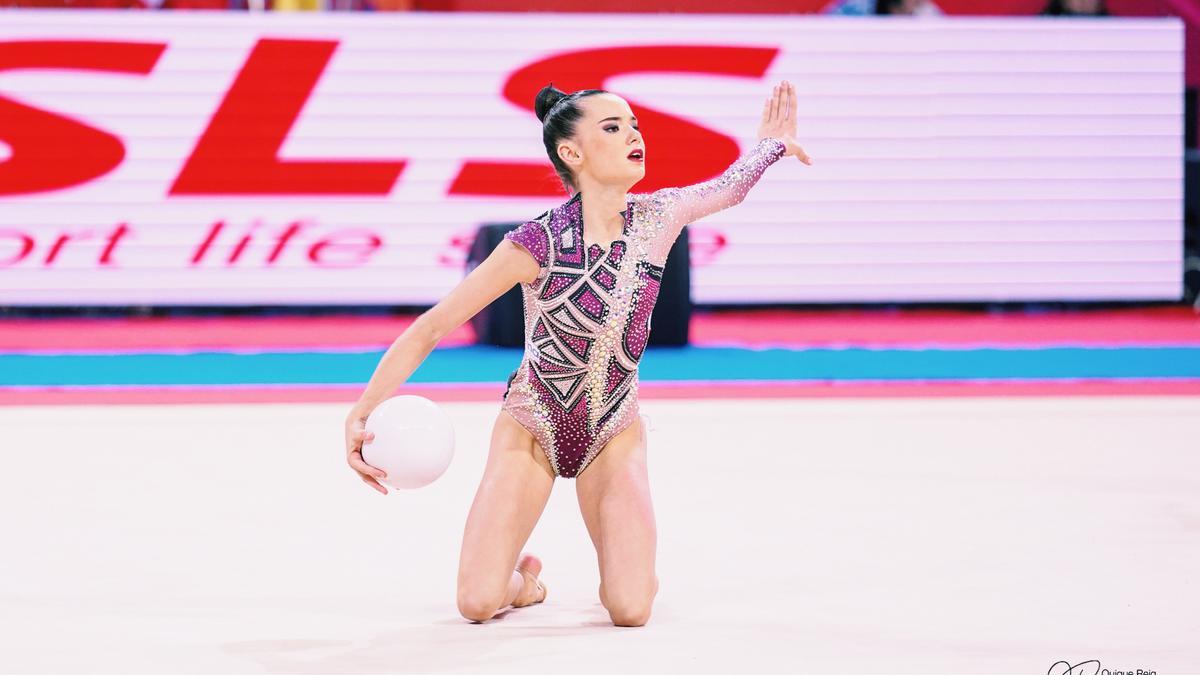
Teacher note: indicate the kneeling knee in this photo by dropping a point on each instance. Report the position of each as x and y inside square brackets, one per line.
[476, 607]
[630, 614]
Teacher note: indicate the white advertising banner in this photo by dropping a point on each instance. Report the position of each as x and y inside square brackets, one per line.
[244, 159]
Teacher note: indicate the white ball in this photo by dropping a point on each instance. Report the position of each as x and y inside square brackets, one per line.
[414, 441]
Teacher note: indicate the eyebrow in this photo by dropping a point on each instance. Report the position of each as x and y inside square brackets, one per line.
[633, 117]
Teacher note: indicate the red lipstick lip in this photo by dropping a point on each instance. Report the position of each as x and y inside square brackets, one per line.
[636, 159]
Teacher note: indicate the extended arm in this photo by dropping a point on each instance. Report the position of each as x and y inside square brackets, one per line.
[683, 205]
[501, 270]
[691, 203]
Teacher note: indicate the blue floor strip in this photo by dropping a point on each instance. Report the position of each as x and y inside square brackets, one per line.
[493, 364]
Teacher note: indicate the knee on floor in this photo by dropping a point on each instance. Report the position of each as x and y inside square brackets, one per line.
[477, 607]
[629, 611]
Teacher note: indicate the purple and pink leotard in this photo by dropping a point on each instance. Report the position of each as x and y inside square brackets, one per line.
[587, 314]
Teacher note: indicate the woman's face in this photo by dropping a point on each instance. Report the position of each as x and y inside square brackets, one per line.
[604, 139]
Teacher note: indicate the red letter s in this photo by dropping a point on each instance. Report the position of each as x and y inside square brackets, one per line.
[52, 151]
[682, 153]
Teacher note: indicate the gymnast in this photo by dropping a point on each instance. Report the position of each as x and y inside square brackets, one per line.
[571, 406]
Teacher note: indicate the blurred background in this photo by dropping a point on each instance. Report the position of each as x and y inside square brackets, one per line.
[927, 405]
[253, 200]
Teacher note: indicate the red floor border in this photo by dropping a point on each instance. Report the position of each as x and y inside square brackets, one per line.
[799, 328]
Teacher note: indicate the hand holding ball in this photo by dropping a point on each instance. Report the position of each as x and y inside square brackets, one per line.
[414, 441]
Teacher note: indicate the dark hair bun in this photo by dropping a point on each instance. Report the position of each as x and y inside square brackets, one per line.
[546, 98]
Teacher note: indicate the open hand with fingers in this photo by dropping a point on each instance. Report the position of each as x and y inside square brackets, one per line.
[779, 120]
[356, 435]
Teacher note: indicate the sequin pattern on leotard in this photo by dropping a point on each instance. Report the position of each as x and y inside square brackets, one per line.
[587, 314]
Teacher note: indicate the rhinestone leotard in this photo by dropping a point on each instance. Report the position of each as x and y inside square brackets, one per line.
[587, 314]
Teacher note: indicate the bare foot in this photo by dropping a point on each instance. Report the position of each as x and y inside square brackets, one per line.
[534, 591]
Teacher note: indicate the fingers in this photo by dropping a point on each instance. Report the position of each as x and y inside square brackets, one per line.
[356, 462]
[354, 444]
[356, 436]
[373, 483]
[781, 108]
[355, 439]
[369, 474]
[781, 104]
[771, 108]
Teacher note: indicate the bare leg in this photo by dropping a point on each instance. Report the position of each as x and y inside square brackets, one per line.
[511, 496]
[614, 498]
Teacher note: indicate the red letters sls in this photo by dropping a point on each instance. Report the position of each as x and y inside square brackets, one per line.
[52, 151]
[238, 152]
[680, 152]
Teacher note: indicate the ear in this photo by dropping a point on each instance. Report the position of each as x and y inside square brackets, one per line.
[570, 154]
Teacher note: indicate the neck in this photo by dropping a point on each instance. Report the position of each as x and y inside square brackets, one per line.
[602, 206]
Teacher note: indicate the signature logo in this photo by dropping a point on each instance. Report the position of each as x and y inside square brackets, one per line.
[1091, 667]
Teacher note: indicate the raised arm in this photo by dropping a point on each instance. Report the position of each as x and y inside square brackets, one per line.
[680, 206]
[693, 202]
[507, 265]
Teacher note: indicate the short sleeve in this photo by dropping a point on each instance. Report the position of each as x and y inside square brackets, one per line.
[534, 237]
